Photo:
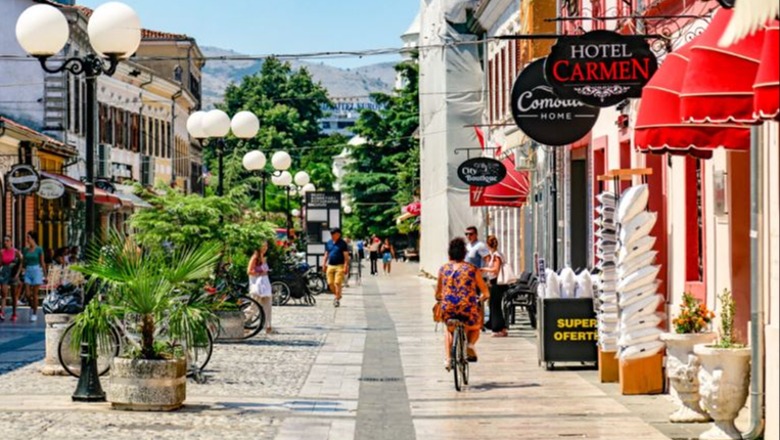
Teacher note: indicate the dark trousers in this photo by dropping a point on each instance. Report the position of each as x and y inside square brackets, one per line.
[373, 256]
[497, 322]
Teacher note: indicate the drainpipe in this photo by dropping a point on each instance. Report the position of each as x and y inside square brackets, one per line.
[172, 134]
[756, 295]
[142, 142]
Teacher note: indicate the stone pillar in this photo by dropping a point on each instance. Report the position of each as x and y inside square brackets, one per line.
[56, 323]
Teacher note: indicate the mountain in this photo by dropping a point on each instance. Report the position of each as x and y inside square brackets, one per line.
[340, 83]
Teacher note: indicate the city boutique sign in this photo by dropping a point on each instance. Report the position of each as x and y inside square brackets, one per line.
[600, 68]
[481, 171]
[543, 116]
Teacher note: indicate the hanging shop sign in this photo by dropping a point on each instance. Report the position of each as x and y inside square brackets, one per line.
[481, 171]
[600, 68]
[545, 117]
[22, 179]
[51, 189]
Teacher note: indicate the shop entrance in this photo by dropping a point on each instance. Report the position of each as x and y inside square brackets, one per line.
[578, 213]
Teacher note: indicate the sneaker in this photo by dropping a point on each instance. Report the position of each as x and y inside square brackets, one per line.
[33, 318]
[336, 303]
[14, 317]
[448, 364]
[471, 354]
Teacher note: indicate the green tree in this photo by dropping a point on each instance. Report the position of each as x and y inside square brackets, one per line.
[288, 104]
[384, 172]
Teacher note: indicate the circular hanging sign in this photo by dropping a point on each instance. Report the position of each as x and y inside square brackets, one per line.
[22, 179]
[51, 189]
[600, 68]
[105, 185]
[481, 171]
[543, 116]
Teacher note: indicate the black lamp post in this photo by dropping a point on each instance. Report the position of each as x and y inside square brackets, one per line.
[115, 33]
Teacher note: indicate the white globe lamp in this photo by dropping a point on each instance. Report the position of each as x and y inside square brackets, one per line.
[245, 125]
[281, 161]
[114, 30]
[347, 209]
[42, 30]
[254, 161]
[216, 123]
[284, 179]
[309, 187]
[296, 213]
[302, 178]
[195, 125]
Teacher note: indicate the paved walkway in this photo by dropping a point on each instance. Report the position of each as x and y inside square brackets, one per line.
[371, 369]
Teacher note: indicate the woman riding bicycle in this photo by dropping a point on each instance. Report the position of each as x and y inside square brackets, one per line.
[457, 289]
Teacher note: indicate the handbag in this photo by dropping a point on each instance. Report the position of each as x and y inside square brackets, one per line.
[506, 275]
[437, 313]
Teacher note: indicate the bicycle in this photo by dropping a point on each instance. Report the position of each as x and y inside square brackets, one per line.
[458, 357]
[254, 315]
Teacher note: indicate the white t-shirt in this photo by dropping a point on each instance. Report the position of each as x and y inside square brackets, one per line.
[476, 252]
[491, 256]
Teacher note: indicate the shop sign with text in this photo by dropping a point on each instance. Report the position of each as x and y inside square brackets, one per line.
[22, 179]
[600, 68]
[51, 189]
[481, 171]
[545, 117]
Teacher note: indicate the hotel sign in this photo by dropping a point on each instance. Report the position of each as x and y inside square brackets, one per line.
[545, 117]
[600, 68]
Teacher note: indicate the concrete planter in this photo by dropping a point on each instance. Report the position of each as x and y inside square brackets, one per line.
[682, 367]
[143, 385]
[231, 325]
[56, 323]
[724, 379]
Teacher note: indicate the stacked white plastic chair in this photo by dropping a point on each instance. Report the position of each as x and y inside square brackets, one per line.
[637, 284]
[606, 244]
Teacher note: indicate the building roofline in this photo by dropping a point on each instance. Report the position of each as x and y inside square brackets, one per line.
[45, 141]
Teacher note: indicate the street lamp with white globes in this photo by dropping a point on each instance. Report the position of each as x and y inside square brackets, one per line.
[255, 161]
[217, 124]
[114, 31]
[292, 184]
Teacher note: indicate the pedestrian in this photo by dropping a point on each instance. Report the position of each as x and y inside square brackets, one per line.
[34, 268]
[361, 252]
[336, 264]
[373, 254]
[476, 250]
[260, 284]
[388, 254]
[10, 269]
[458, 289]
[494, 264]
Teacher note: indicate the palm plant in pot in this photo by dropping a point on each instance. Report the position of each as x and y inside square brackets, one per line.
[691, 327]
[149, 297]
[724, 375]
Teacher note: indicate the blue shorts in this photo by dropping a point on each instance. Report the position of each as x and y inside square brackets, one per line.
[387, 257]
[33, 275]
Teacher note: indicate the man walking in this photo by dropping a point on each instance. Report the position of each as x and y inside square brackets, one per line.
[476, 251]
[336, 263]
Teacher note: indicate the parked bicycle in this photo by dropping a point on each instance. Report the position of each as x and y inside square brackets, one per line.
[227, 289]
[292, 283]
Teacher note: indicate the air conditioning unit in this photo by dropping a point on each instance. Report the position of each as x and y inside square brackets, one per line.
[104, 162]
[147, 170]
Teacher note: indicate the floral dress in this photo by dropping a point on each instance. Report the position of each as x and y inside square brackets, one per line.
[460, 297]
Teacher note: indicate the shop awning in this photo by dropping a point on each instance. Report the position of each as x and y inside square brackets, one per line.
[766, 88]
[659, 126]
[718, 83]
[78, 187]
[512, 191]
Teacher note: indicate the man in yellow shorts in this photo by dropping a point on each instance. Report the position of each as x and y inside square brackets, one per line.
[336, 263]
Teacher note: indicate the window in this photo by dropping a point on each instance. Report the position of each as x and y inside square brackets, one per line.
[177, 74]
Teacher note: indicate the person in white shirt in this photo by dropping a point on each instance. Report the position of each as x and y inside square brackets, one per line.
[476, 251]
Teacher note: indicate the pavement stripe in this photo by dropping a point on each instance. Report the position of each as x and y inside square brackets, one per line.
[383, 408]
[20, 342]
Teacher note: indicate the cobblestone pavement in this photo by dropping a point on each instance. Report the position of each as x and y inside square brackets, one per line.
[371, 369]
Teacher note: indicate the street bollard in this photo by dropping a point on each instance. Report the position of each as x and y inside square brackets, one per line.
[88, 388]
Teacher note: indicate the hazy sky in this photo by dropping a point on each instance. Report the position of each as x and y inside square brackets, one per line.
[260, 27]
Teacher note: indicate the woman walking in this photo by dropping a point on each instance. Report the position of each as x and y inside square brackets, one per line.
[260, 284]
[10, 269]
[457, 289]
[373, 254]
[34, 268]
[494, 262]
[388, 255]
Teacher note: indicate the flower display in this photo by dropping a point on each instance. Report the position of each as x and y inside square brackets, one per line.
[694, 316]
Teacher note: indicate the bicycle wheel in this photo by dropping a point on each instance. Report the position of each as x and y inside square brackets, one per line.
[70, 358]
[456, 355]
[464, 366]
[281, 293]
[254, 316]
[199, 355]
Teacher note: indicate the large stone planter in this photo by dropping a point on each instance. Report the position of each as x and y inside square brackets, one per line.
[682, 367]
[56, 323]
[142, 385]
[724, 379]
[231, 325]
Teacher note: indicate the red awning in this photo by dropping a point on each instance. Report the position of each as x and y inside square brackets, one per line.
[718, 84]
[766, 88]
[659, 127]
[512, 191]
[101, 197]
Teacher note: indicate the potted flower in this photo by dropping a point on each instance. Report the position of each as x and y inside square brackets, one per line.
[724, 375]
[690, 328]
[146, 295]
